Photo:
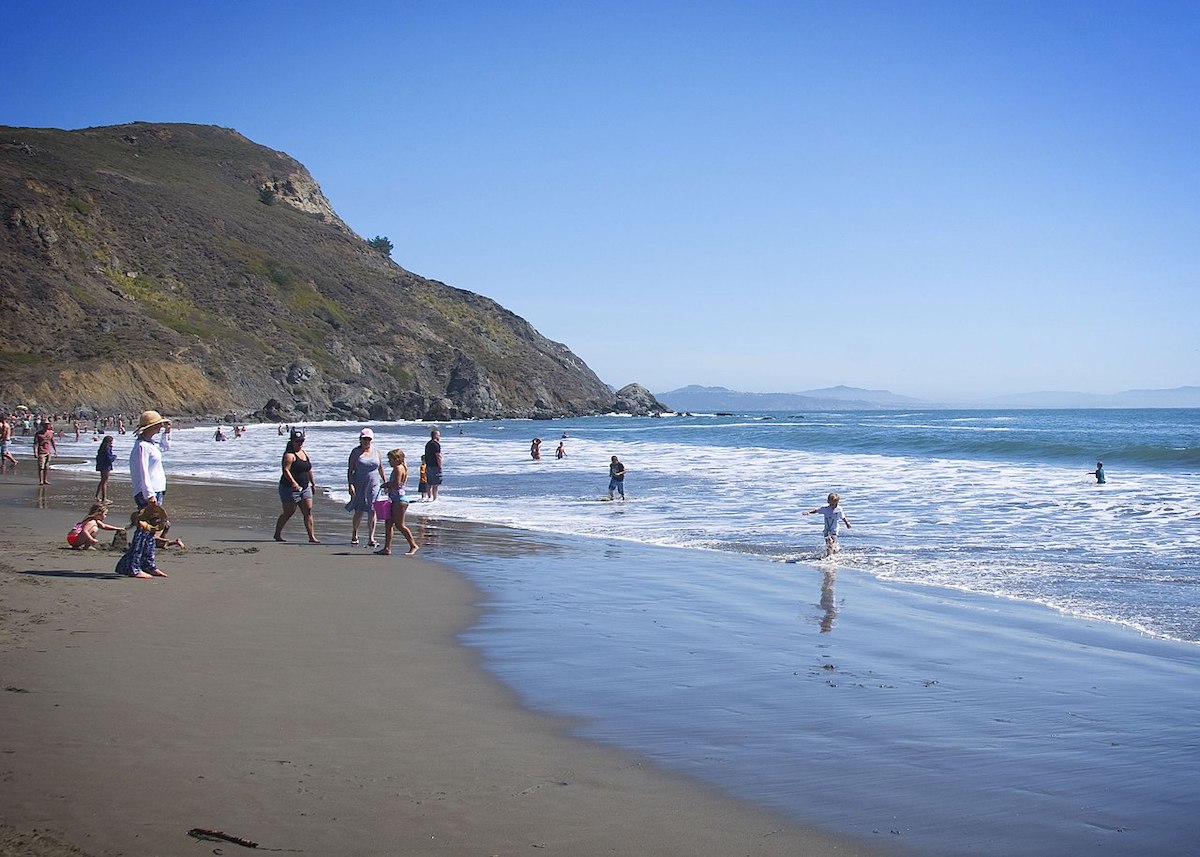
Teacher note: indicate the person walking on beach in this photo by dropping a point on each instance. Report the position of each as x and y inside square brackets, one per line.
[296, 486]
[364, 475]
[83, 535]
[5, 440]
[396, 495]
[1098, 472]
[105, 459]
[148, 479]
[616, 478]
[833, 517]
[44, 448]
[433, 463]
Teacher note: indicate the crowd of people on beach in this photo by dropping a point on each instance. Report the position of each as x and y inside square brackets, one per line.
[376, 494]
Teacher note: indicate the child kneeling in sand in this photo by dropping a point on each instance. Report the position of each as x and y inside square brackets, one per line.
[83, 535]
[140, 559]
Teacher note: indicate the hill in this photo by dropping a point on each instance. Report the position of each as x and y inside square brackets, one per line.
[840, 398]
[1177, 397]
[189, 269]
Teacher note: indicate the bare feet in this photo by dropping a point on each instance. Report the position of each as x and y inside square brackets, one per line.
[158, 572]
[139, 574]
[412, 550]
[313, 541]
[383, 552]
[278, 537]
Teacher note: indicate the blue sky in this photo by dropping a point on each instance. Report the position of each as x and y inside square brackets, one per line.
[943, 199]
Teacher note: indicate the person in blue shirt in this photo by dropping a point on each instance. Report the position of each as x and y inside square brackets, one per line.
[105, 459]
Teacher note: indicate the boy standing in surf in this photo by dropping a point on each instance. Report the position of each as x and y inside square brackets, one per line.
[616, 478]
[833, 517]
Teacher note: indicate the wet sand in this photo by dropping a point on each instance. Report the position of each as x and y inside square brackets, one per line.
[311, 698]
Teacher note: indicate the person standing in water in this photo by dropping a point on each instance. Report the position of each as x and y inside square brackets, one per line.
[1098, 472]
[616, 478]
[833, 517]
[433, 463]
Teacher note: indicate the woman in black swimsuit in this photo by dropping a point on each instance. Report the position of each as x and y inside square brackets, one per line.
[296, 486]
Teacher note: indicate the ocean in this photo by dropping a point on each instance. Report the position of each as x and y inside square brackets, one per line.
[923, 687]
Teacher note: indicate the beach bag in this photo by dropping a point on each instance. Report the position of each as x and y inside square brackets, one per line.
[383, 508]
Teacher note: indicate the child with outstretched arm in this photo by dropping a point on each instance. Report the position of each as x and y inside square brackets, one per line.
[83, 535]
[833, 516]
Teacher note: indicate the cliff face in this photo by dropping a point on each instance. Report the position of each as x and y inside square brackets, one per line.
[186, 268]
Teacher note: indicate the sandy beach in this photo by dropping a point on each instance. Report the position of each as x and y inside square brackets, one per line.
[313, 699]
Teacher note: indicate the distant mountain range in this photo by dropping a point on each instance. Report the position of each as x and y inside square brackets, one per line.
[842, 398]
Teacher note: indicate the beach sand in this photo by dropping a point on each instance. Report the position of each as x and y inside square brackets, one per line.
[314, 699]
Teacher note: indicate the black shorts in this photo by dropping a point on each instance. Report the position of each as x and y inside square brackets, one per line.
[433, 477]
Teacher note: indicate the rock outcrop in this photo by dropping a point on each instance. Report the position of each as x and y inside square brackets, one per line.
[637, 400]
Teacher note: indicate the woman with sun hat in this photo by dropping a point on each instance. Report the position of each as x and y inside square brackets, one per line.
[148, 479]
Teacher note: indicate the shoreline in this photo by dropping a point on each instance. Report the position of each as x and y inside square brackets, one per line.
[305, 697]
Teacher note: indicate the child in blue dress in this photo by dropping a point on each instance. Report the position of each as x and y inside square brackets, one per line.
[141, 559]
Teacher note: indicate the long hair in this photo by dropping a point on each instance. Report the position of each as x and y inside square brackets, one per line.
[396, 459]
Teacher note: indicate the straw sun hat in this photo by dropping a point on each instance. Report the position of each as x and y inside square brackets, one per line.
[150, 419]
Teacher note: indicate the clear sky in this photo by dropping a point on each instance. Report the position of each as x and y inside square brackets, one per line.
[943, 199]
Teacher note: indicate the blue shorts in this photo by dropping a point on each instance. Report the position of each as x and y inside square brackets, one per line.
[141, 501]
[287, 495]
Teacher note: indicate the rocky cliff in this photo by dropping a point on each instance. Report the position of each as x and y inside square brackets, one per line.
[186, 268]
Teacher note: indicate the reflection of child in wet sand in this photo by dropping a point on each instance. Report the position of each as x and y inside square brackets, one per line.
[833, 517]
[83, 535]
[140, 559]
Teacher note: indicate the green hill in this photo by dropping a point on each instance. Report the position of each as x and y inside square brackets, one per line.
[186, 268]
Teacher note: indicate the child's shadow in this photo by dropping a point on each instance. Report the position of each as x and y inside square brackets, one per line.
[93, 575]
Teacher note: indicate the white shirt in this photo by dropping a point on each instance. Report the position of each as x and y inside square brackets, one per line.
[145, 466]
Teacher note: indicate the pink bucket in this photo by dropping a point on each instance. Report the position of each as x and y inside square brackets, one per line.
[383, 509]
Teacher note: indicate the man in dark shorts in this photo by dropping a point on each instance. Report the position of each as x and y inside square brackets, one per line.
[433, 463]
